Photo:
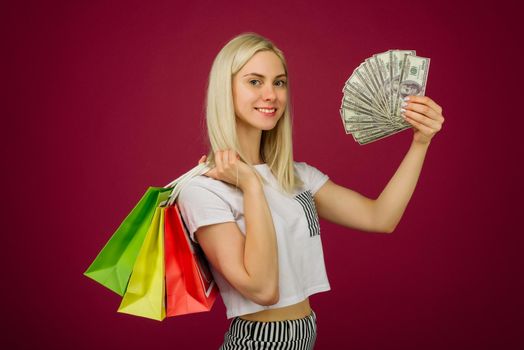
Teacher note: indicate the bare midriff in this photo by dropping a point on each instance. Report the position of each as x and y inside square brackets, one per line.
[291, 312]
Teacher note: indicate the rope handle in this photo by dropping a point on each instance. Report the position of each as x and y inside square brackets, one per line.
[179, 183]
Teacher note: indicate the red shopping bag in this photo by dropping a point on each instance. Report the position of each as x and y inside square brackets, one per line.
[190, 287]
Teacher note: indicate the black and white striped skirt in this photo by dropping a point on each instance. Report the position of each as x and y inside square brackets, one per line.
[297, 334]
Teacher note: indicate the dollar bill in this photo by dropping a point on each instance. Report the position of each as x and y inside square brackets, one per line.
[383, 65]
[372, 74]
[413, 79]
[397, 58]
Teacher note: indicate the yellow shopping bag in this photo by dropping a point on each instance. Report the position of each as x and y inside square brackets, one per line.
[145, 293]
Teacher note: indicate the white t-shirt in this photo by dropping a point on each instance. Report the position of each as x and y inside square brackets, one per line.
[205, 201]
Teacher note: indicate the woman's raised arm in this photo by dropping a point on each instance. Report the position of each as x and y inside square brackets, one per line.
[350, 209]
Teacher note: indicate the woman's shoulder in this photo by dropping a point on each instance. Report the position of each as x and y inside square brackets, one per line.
[312, 177]
[303, 167]
[203, 185]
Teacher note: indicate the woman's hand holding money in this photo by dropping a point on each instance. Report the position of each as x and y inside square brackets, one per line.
[425, 116]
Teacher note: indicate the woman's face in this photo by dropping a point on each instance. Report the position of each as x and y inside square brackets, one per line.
[260, 91]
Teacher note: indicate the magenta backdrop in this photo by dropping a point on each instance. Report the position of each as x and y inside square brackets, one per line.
[103, 99]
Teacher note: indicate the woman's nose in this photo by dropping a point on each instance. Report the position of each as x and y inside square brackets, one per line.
[269, 93]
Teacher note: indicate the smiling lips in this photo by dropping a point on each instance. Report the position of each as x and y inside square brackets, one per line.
[266, 110]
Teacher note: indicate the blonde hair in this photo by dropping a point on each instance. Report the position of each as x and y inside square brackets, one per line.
[276, 148]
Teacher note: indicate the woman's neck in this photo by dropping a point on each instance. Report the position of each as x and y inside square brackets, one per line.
[249, 140]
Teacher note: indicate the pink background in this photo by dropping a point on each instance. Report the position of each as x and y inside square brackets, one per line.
[103, 99]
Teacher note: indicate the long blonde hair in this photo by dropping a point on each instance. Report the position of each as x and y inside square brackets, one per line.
[276, 148]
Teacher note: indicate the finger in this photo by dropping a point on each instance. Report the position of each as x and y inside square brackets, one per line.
[422, 120]
[427, 101]
[423, 128]
[423, 109]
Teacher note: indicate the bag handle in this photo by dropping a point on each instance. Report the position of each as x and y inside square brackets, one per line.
[182, 180]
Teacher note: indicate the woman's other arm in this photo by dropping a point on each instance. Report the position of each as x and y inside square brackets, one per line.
[250, 263]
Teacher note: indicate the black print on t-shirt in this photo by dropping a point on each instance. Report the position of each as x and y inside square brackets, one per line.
[306, 201]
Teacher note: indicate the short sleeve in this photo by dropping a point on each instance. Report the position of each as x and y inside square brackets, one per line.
[200, 207]
[312, 177]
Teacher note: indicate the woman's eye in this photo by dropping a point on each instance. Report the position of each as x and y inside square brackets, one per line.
[279, 83]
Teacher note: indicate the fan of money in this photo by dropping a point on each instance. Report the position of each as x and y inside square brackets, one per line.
[373, 94]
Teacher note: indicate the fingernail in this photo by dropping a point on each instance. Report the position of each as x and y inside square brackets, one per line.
[402, 110]
[406, 98]
[404, 104]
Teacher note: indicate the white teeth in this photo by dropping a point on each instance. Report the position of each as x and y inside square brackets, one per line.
[264, 110]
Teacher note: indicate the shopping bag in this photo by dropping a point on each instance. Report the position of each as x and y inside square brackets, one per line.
[113, 265]
[145, 293]
[190, 287]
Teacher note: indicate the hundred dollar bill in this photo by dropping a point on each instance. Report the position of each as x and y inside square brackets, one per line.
[397, 62]
[413, 79]
[371, 72]
[382, 64]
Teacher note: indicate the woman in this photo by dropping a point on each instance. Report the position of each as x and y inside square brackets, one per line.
[255, 213]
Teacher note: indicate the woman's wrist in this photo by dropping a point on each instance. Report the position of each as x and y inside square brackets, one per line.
[251, 185]
[420, 143]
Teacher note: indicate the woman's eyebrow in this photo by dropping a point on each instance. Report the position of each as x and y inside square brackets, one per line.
[261, 76]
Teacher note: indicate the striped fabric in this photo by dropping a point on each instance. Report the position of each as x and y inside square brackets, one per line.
[306, 201]
[277, 335]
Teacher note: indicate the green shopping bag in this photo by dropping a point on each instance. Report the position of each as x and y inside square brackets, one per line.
[145, 293]
[113, 265]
